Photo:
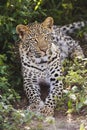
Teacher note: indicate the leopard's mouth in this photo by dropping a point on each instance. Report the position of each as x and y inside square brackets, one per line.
[43, 49]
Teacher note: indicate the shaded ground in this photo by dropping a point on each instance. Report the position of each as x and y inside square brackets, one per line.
[68, 123]
[61, 121]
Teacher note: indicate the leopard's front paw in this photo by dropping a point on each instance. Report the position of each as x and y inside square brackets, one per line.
[34, 107]
[47, 111]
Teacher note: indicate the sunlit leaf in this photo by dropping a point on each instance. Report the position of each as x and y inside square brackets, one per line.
[72, 96]
[82, 127]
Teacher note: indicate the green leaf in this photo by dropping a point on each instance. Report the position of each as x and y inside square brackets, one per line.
[82, 127]
[73, 97]
[69, 104]
[85, 102]
[79, 106]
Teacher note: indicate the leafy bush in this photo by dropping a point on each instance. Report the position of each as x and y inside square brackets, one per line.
[6, 92]
[13, 119]
[75, 83]
[3, 74]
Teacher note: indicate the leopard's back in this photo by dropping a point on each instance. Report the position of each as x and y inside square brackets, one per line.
[71, 28]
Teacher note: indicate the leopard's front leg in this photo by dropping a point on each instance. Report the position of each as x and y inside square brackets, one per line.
[32, 90]
[56, 87]
[52, 99]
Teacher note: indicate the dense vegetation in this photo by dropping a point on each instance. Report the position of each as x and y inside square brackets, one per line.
[14, 12]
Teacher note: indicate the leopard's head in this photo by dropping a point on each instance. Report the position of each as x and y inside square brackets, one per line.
[36, 36]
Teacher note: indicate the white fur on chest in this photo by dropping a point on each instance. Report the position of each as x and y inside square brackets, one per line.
[41, 59]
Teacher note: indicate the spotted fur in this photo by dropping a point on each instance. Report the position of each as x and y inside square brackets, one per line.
[42, 49]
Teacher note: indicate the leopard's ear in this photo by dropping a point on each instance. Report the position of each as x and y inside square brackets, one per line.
[48, 22]
[21, 30]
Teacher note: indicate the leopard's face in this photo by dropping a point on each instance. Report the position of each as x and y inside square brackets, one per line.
[36, 37]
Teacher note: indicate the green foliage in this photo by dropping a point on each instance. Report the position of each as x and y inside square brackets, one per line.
[76, 85]
[3, 74]
[6, 92]
[12, 119]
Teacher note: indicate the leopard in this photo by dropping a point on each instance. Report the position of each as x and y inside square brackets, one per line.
[43, 47]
